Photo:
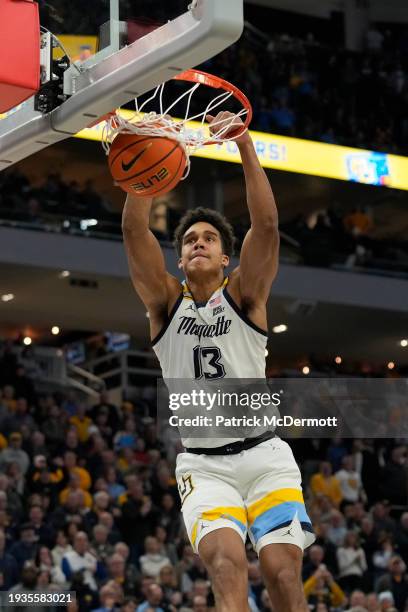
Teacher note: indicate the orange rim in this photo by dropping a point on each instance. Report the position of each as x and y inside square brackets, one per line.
[204, 78]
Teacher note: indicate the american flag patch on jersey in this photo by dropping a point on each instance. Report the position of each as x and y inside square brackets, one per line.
[215, 301]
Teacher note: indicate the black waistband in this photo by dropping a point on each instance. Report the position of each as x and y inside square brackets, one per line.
[234, 448]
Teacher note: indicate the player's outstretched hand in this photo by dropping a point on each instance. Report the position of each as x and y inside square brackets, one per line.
[222, 123]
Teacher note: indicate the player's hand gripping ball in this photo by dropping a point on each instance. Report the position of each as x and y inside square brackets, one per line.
[146, 166]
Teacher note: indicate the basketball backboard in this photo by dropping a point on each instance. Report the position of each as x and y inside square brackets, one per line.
[119, 53]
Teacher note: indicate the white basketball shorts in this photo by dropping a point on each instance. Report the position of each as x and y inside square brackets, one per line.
[257, 492]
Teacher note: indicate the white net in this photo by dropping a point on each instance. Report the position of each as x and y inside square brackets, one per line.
[192, 132]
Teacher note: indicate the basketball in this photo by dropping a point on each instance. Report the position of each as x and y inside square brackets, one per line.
[146, 165]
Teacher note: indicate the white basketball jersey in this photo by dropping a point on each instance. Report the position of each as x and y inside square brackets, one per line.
[210, 341]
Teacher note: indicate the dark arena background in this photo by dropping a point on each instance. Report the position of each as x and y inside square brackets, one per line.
[88, 498]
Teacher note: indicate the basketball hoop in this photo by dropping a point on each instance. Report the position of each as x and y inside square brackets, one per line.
[190, 136]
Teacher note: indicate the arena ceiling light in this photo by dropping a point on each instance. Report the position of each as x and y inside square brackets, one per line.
[55, 330]
[64, 274]
[7, 297]
[404, 343]
[338, 360]
[85, 223]
[279, 329]
[390, 365]
[306, 370]
[27, 341]
[266, 352]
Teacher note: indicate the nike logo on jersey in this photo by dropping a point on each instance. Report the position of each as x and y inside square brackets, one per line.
[189, 327]
[129, 165]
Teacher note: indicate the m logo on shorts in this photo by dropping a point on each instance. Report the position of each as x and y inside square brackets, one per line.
[185, 487]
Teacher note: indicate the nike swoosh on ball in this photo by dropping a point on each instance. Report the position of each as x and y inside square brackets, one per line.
[132, 162]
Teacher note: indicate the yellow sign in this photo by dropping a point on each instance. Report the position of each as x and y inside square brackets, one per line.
[76, 46]
[303, 157]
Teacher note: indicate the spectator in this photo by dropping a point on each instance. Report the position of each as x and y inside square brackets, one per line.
[386, 601]
[80, 559]
[314, 559]
[321, 588]
[9, 571]
[402, 537]
[200, 604]
[74, 484]
[369, 539]
[153, 601]
[152, 561]
[113, 416]
[324, 483]
[44, 562]
[168, 581]
[81, 422]
[255, 582]
[115, 489]
[381, 516]
[382, 556]
[335, 453]
[61, 547]
[108, 599]
[44, 532]
[20, 419]
[9, 399]
[394, 477]
[337, 529]
[132, 574]
[358, 600]
[26, 548]
[372, 603]
[100, 544]
[126, 438]
[350, 481]
[116, 571]
[70, 463]
[14, 453]
[28, 579]
[352, 563]
[52, 429]
[395, 581]
[139, 517]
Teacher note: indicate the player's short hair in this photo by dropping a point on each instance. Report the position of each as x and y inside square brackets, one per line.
[208, 216]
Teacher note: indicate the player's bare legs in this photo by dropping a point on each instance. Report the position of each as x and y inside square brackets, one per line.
[223, 554]
[281, 566]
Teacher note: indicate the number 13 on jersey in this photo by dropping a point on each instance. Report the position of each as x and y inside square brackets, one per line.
[207, 362]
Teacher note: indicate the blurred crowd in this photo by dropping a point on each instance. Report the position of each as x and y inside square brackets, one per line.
[302, 88]
[89, 503]
[335, 237]
[322, 239]
[20, 200]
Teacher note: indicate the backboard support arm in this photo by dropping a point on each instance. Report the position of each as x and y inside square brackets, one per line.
[204, 31]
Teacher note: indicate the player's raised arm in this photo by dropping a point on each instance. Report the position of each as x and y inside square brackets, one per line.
[155, 286]
[260, 250]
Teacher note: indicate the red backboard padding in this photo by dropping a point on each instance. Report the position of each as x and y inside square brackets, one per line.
[19, 52]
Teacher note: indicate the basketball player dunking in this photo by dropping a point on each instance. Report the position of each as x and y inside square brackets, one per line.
[251, 486]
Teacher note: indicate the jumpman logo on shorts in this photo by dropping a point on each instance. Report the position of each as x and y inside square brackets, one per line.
[288, 533]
